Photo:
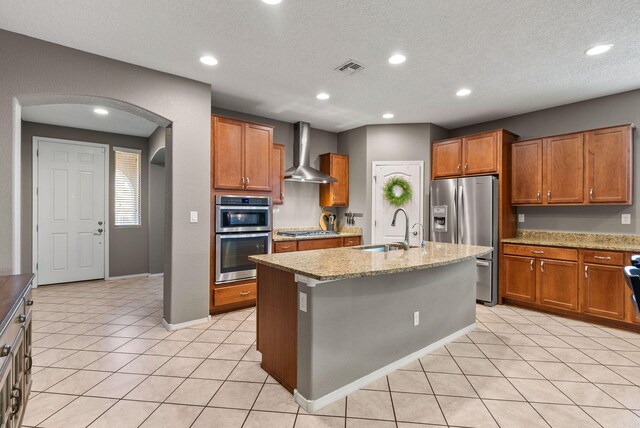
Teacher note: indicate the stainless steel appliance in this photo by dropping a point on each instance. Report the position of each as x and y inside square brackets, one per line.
[465, 211]
[243, 229]
[632, 275]
[301, 170]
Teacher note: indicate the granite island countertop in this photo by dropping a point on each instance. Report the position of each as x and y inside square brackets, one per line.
[344, 232]
[594, 241]
[340, 263]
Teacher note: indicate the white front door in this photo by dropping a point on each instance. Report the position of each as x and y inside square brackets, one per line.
[71, 217]
[383, 232]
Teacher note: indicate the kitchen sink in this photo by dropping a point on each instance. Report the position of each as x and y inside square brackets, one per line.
[381, 248]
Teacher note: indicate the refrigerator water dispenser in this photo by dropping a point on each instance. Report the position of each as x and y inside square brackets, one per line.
[439, 214]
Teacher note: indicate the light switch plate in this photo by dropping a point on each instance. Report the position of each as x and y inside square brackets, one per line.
[626, 219]
[520, 218]
[416, 318]
[193, 216]
[303, 302]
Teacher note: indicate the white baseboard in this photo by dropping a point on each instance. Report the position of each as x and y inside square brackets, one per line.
[179, 326]
[340, 393]
[135, 275]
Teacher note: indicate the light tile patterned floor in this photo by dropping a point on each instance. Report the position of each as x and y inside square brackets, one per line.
[103, 359]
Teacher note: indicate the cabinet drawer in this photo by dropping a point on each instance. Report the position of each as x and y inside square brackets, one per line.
[603, 257]
[284, 247]
[543, 252]
[351, 241]
[317, 244]
[234, 294]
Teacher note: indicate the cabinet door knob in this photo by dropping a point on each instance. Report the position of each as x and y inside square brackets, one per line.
[586, 271]
[243, 185]
[5, 350]
[531, 265]
[548, 195]
[537, 252]
[538, 195]
[459, 168]
[247, 182]
[602, 258]
[29, 302]
[466, 167]
[244, 293]
[541, 265]
[22, 318]
[591, 194]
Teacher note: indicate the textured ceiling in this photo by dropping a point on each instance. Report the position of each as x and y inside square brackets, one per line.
[82, 116]
[516, 56]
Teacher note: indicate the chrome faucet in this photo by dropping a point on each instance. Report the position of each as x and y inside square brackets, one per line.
[405, 243]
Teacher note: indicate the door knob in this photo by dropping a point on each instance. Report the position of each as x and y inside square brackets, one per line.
[99, 223]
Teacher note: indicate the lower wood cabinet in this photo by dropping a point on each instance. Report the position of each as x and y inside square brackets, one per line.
[558, 284]
[316, 244]
[519, 278]
[587, 283]
[226, 295]
[603, 291]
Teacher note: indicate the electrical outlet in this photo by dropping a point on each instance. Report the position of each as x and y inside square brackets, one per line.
[303, 302]
[626, 219]
[416, 318]
[193, 216]
[520, 218]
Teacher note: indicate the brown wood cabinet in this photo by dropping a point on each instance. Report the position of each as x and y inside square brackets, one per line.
[446, 158]
[548, 276]
[563, 169]
[603, 291]
[608, 162]
[335, 194]
[480, 154]
[526, 181]
[242, 155]
[585, 284]
[277, 177]
[558, 283]
[519, 277]
[591, 167]
[316, 244]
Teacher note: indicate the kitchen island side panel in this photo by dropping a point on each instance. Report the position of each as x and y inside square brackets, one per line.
[356, 326]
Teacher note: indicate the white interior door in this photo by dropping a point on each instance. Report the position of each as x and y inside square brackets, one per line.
[383, 232]
[71, 215]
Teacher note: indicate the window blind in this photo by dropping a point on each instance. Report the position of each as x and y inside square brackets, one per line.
[127, 187]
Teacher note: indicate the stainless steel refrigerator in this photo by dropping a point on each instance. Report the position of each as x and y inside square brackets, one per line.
[465, 211]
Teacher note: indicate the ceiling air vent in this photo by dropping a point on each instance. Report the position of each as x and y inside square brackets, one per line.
[350, 67]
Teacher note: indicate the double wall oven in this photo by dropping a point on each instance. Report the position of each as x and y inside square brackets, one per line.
[243, 229]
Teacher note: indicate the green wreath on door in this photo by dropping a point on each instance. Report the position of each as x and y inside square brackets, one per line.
[397, 191]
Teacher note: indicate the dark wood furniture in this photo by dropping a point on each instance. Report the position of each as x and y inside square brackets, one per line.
[277, 177]
[580, 283]
[583, 168]
[335, 194]
[15, 347]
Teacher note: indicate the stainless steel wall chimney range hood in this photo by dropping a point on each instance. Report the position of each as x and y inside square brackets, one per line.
[301, 171]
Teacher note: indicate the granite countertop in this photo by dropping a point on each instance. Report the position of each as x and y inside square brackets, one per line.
[340, 263]
[595, 241]
[344, 232]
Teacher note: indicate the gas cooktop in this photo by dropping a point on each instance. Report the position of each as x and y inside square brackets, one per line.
[296, 233]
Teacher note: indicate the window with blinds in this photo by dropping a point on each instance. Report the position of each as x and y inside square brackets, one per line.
[127, 187]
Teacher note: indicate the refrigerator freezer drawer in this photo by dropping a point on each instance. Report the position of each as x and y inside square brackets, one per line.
[484, 291]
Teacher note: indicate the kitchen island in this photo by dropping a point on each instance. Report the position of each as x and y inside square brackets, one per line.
[332, 321]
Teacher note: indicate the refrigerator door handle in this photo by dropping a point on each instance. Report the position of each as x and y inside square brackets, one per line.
[462, 216]
[454, 215]
[481, 263]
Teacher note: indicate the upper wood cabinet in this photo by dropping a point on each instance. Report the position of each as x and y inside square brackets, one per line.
[608, 163]
[335, 194]
[526, 182]
[591, 167]
[242, 154]
[447, 158]
[480, 153]
[477, 154]
[563, 169]
[277, 177]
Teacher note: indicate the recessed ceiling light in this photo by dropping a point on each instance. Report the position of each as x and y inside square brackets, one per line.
[271, 1]
[397, 59]
[100, 110]
[323, 96]
[208, 60]
[599, 49]
[387, 116]
[463, 92]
